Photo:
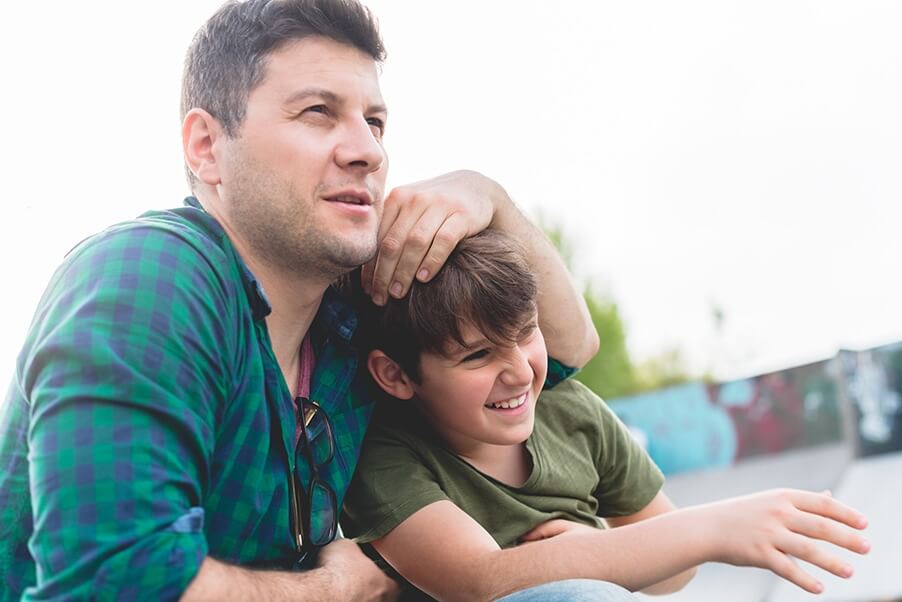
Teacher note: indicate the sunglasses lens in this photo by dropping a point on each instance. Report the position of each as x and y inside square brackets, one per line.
[321, 449]
[323, 519]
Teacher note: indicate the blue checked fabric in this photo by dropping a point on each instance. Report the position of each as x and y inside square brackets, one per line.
[148, 424]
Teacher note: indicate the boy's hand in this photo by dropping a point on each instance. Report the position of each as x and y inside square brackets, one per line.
[553, 528]
[771, 528]
[422, 223]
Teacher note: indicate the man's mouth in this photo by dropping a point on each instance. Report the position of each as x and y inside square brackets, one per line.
[351, 198]
[508, 404]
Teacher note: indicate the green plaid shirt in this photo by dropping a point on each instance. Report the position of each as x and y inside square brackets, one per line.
[148, 424]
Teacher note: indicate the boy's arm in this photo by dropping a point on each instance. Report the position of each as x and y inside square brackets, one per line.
[423, 222]
[444, 552]
[661, 504]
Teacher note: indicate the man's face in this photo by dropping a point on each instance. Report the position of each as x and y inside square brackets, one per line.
[302, 183]
[464, 393]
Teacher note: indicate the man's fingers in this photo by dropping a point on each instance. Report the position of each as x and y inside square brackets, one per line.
[786, 567]
[390, 210]
[420, 238]
[451, 232]
[391, 248]
[391, 207]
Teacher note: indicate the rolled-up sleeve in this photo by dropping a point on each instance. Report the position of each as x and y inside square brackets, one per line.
[123, 379]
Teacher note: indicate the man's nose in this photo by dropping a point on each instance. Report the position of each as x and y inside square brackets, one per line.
[359, 147]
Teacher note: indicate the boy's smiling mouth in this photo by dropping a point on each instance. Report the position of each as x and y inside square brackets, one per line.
[509, 404]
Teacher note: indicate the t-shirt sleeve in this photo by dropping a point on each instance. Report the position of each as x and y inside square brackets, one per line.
[391, 483]
[628, 477]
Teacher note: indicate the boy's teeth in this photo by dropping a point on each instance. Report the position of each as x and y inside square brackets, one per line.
[509, 403]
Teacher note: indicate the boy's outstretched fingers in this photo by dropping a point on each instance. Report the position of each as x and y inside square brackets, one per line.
[824, 517]
[826, 505]
[803, 548]
[829, 530]
[789, 569]
[781, 525]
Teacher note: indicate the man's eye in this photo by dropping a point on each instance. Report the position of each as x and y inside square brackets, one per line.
[377, 125]
[317, 109]
[476, 355]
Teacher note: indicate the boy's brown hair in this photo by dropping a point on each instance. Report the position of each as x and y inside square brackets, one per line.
[485, 282]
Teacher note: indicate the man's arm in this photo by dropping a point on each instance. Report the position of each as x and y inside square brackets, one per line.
[123, 378]
[765, 530]
[343, 573]
[424, 221]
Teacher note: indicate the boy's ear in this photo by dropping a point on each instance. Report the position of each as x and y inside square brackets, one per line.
[389, 375]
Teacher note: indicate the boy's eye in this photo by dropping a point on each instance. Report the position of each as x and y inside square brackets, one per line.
[476, 355]
[528, 331]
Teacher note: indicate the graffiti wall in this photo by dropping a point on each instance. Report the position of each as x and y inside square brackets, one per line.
[707, 425]
[698, 425]
[873, 385]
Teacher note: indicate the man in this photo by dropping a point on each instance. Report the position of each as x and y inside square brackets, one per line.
[186, 412]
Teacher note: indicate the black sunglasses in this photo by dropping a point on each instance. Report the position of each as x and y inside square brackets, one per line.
[314, 523]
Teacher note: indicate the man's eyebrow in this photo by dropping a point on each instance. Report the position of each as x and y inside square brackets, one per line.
[313, 92]
[330, 97]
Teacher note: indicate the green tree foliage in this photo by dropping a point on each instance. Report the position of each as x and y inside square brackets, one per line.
[665, 369]
[612, 372]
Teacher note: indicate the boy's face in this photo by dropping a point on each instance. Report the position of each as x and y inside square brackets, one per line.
[463, 393]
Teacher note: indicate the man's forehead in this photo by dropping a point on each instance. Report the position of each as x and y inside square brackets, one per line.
[319, 57]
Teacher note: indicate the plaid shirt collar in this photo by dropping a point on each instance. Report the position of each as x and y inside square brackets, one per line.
[335, 314]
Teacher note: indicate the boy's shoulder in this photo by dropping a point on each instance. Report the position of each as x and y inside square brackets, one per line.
[571, 400]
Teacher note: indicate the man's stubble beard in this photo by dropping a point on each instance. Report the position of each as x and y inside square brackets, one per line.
[277, 222]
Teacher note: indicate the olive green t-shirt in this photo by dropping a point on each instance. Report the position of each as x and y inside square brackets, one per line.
[585, 465]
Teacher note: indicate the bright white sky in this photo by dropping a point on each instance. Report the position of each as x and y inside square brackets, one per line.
[726, 153]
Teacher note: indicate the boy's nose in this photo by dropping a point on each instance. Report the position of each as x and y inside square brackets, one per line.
[518, 371]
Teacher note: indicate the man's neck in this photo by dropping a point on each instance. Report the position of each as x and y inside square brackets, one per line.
[294, 296]
[294, 303]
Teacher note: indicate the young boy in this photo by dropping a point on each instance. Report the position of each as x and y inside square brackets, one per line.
[474, 482]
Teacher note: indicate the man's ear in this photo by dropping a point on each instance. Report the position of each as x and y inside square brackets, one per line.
[389, 375]
[200, 133]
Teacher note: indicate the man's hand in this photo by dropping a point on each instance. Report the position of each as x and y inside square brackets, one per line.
[422, 223]
[355, 574]
[770, 529]
[343, 574]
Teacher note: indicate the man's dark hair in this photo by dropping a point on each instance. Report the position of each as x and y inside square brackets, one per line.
[485, 282]
[227, 58]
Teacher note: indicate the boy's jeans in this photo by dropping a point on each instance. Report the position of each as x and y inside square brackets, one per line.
[572, 590]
